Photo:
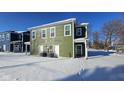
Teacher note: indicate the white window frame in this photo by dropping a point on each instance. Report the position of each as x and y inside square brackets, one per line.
[54, 32]
[65, 29]
[78, 32]
[32, 35]
[42, 33]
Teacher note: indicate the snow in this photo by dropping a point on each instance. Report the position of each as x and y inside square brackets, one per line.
[22, 67]
[100, 65]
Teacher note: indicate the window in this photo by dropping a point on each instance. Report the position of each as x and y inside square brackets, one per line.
[67, 30]
[43, 33]
[7, 36]
[78, 31]
[52, 32]
[33, 35]
[3, 37]
[0, 37]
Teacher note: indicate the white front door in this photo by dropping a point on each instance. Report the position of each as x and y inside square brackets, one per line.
[40, 48]
[57, 50]
[4, 47]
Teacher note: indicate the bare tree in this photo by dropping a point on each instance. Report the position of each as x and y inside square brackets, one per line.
[90, 37]
[96, 40]
[111, 30]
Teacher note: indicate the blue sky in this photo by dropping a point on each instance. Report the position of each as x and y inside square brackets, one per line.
[23, 20]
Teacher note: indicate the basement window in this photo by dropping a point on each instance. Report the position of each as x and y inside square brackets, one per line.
[67, 30]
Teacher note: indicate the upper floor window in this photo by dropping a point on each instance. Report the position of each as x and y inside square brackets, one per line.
[3, 37]
[7, 36]
[67, 30]
[0, 37]
[43, 33]
[52, 32]
[33, 35]
[78, 31]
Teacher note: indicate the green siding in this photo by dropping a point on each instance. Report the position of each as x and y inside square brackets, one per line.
[65, 43]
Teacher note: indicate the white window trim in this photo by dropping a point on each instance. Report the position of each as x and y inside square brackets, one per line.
[78, 32]
[32, 35]
[45, 33]
[54, 32]
[65, 30]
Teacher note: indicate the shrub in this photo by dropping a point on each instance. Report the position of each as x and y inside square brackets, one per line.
[43, 54]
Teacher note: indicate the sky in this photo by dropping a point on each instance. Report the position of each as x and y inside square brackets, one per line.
[22, 20]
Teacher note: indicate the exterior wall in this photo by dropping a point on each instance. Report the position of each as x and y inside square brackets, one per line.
[25, 38]
[81, 39]
[5, 43]
[15, 36]
[83, 35]
[120, 48]
[65, 43]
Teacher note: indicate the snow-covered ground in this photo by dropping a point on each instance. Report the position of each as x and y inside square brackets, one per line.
[100, 65]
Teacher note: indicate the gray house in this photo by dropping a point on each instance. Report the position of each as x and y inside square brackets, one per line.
[5, 39]
[12, 41]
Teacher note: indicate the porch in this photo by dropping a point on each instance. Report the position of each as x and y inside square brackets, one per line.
[80, 48]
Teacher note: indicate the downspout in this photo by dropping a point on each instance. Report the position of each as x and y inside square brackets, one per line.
[22, 43]
[86, 50]
[73, 25]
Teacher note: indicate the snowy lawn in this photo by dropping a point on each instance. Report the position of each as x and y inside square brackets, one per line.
[101, 65]
[22, 67]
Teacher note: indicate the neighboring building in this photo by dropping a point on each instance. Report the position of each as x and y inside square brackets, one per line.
[5, 40]
[119, 46]
[63, 39]
[11, 41]
[19, 44]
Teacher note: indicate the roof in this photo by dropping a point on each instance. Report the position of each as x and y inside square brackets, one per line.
[9, 31]
[54, 23]
[80, 40]
[27, 43]
[20, 31]
[84, 24]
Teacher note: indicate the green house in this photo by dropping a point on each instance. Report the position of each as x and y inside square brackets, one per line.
[61, 39]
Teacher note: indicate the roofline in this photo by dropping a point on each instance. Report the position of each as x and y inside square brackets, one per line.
[84, 24]
[7, 31]
[22, 31]
[53, 23]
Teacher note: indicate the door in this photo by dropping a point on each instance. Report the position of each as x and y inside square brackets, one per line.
[16, 48]
[40, 48]
[78, 50]
[4, 47]
[57, 50]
